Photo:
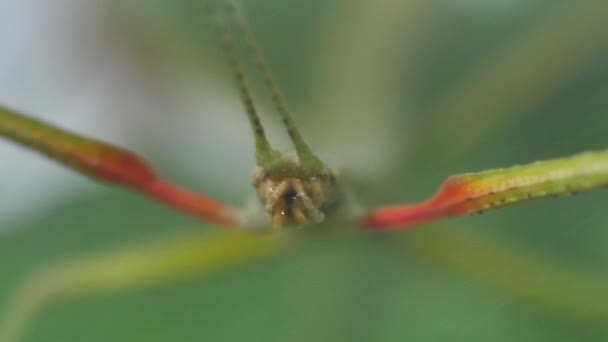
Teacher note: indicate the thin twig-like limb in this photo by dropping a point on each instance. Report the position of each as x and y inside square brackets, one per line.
[167, 260]
[561, 290]
[476, 192]
[110, 164]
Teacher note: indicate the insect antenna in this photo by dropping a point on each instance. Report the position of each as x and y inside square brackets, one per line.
[265, 155]
[305, 154]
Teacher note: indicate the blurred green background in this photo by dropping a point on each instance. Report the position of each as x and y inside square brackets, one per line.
[398, 94]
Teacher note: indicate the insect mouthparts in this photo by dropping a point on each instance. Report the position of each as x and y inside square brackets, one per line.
[290, 198]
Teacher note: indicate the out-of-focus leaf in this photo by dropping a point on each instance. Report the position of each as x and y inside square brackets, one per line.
[529, 67]
[569, 292]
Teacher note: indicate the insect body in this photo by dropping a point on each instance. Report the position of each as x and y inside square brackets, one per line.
[300, 188]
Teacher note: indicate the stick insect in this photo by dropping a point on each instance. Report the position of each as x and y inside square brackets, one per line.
[295, 189]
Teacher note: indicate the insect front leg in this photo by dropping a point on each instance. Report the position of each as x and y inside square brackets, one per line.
[477, 192]
[110, 164]
[153, 263]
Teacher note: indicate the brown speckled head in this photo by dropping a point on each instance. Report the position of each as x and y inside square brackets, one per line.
[292, 194]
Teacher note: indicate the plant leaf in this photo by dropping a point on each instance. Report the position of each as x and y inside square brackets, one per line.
[110, 164]
[476, 192]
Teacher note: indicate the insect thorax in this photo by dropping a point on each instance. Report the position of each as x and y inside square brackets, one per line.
[293, 194]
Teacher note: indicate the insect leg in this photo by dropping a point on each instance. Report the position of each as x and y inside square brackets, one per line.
[110, 164]
[149, 264]
[477, 192]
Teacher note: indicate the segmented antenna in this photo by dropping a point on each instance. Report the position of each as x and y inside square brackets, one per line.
[264, 153]
[305, 154]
